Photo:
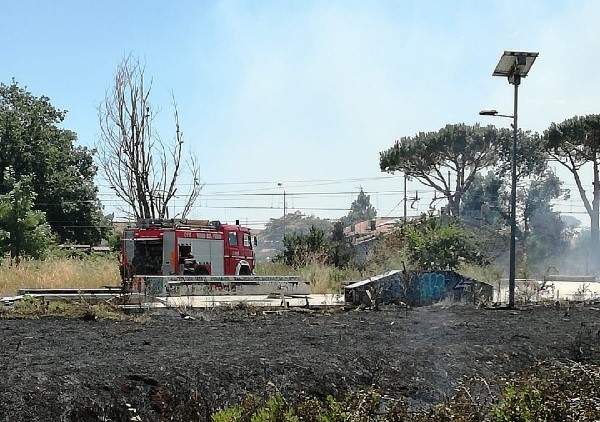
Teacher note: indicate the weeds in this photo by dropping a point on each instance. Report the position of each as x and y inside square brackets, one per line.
[551, 392]
[327, 279]
[323, 278]
[30, 307]
[557, 391]
[58, 272]
[274, 268]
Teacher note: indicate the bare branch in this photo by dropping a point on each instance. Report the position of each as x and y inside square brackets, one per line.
[140, 168]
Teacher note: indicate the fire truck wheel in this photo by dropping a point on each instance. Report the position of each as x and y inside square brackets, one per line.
[245, 270]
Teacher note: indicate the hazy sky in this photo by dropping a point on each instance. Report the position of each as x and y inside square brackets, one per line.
[300, 90]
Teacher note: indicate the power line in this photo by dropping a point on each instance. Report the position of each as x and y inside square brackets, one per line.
[274, 182]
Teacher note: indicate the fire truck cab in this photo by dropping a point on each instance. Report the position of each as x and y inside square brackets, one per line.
[186, 247]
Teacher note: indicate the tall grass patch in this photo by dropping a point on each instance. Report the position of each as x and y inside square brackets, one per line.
[59, 272]
[323, 278]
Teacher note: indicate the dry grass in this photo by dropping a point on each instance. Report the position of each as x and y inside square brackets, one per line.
[102, 271]
[31, 307]
[59, 273]
[327, 279]
[274, 268]
[322, 278]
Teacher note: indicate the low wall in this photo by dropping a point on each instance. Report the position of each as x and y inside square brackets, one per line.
[417, 288]
[168, 286]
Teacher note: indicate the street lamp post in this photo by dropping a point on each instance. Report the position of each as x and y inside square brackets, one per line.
[514, 65]
[284, 207]
[405, 200]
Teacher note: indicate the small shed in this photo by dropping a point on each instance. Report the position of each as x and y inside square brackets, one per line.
[417, 288]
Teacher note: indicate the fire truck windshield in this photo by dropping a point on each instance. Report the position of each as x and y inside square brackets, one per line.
[233, 239]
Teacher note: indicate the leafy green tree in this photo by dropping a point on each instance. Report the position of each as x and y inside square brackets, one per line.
[449, 160]
[62, 174]
[360, 210]
[430, 157]
[575, 143]
[543, 229]
[300, 249]
[341, 251]
[114, 240]
[432, 245]
[531, 157]
[485, 201]
[271, 238]
[23, 230]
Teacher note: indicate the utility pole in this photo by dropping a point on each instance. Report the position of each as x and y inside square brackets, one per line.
[284, 211]
[284, 208]
[405, 201]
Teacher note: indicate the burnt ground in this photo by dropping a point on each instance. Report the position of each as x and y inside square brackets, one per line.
[61, 369]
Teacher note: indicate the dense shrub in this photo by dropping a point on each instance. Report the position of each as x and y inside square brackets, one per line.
[432, 245]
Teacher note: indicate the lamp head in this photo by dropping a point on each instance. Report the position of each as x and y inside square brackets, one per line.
[488, 112]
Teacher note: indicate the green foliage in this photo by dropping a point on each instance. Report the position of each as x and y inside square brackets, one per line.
[360, 210]
[325, 278]
[465, 150]
[341, 251]
[577, 139]
[230, 414]
[62, 174]
[23, 231]
[275, 410]
[428, 243]
[574, 143]
[486, 201]
[550, 392]
[432, 245]
[114, 240]
[544, 231]
[524, 405]
[428, 155]
[30, 307]
[271, 238]
[543, 234]
[360, 406]
[300, 249]
[531, 157]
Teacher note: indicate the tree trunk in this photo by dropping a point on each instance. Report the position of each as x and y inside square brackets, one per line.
[454, 205]
[595, 222]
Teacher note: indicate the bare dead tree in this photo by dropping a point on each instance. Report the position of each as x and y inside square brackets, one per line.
[142, 170]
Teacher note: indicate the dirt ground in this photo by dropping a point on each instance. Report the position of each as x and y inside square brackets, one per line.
[60, 369]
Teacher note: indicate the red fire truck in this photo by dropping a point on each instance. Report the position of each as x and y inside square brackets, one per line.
[186, 247]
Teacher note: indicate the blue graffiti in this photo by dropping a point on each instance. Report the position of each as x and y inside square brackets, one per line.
[432, 287]
[417, 289]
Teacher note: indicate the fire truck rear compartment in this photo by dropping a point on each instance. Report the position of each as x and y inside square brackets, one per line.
[147, 256]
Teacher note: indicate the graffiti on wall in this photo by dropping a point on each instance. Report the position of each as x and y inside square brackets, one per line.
[432, 287]
[415, 288]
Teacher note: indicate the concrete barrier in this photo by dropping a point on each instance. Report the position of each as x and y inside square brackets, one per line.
[173, 286]
[417, 288]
